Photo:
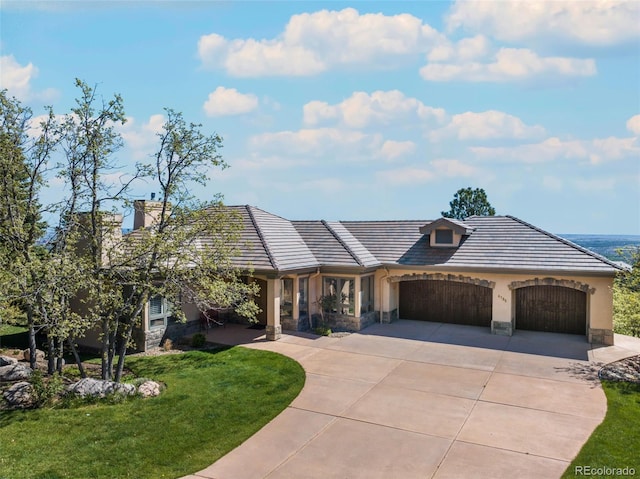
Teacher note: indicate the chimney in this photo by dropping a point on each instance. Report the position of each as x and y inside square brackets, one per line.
[146, 213]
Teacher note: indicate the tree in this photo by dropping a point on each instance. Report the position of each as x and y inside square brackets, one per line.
[469, 202]
[185, 255]
[84, 273]
[24, 154]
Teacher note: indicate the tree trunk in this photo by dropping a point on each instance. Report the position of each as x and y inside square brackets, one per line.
[83, 373]
[59, 357]
[51, 360]
[32, 339]
[106, 366]
[122, 350]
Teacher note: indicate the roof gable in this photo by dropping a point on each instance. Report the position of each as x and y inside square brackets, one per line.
[458, 226]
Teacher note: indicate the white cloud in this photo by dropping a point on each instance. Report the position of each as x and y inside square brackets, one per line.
[16, 78]
[440, 168]
[314, 42]
[595, 151]
[603, 22]
[228, 101]
[486, 125]
[314, 142]
[405, 176]
[329, 144]
[453, 168]
[466, 49]
[510, 64]
[380, 107]
[391, 149]
[141, 139]
[633, 124]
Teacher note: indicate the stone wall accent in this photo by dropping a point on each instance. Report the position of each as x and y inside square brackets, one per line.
[601, 336]
[565, 283]
[341, 322]
[154, 338]
[290, 324]
[502, 328]
[458, 278]
[273, 333]
[389, 316]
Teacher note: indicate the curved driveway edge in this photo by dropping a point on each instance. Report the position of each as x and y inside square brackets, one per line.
[427, 400]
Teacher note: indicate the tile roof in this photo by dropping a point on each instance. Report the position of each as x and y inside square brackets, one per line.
[284, 247]
[270, 242]
[497, 243]
[324, 244]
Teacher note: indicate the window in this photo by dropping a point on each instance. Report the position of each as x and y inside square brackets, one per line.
[444, 236]
[286, 298]
[303, 296]
[159, 312]
[339, 294]
[366, 299]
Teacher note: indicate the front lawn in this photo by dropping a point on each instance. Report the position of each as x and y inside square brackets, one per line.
[15, 337]
[616, 442]
[213, 402]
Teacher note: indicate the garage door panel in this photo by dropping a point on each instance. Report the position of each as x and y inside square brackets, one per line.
[446, 301]
[551, 308]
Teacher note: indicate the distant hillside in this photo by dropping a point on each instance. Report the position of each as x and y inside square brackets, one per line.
[608, 245]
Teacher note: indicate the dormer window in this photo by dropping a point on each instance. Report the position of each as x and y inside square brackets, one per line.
[446, 232]
[444, 237]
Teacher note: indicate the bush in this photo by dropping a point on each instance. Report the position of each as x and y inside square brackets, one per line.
[322, 331]
[46, 390]
[198, 340]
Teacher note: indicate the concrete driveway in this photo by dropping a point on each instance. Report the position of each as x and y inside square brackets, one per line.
[427, 400]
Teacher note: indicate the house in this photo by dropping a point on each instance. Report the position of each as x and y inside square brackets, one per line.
[497, 272]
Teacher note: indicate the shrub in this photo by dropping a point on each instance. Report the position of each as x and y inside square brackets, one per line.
[322, 331]
[198, 340]
[167, 345]
[46, 389]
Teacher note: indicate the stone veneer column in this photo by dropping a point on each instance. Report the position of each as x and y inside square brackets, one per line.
[274, 329]
[601, 336]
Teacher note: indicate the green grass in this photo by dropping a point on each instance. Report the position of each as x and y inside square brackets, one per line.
[616, 442]
[213, 402]
[13, 336]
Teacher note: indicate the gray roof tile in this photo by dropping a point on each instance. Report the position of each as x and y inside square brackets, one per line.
[270, 242]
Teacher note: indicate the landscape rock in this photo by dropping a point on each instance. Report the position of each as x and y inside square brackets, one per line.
[7, 360]
[39, 355]
[19, 395]
[149, 389]
[15, 372]
[100, 388]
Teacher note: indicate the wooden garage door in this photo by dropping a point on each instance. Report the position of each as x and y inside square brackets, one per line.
[446, 302]
[551, 308]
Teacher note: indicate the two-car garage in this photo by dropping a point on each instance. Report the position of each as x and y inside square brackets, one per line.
[549, 308]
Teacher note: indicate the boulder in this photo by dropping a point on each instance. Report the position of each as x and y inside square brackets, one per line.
[7, 360]
[100, 388]
[39, 355]
[15, 372]
[149, 389]
[19, 395]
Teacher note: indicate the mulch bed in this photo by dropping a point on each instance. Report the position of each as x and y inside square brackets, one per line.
[624, 370]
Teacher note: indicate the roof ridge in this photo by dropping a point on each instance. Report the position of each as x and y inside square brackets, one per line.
[263, 240]
[342, 242]
[567, 242]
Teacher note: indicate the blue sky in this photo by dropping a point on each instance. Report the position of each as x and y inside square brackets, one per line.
[364, 110]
